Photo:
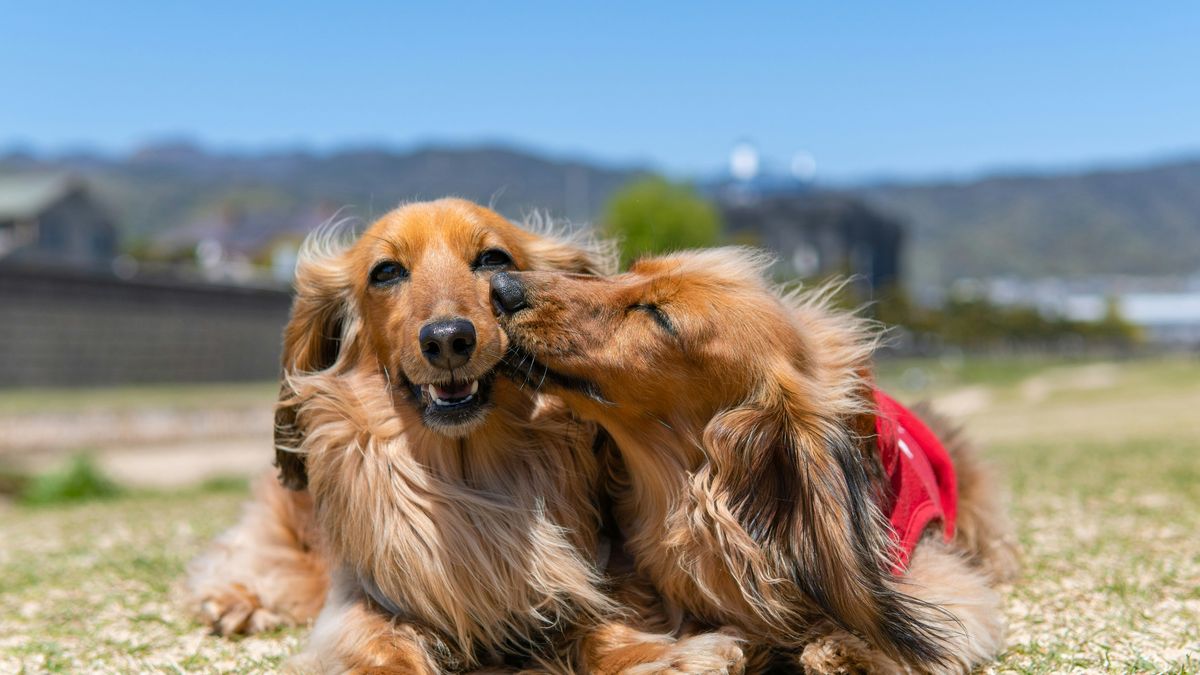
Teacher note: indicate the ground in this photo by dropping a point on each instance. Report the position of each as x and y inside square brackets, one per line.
[1103, 460]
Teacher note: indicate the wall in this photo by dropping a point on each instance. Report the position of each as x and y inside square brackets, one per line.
[68, 328]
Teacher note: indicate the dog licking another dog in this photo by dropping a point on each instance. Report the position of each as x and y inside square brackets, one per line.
[495, 455]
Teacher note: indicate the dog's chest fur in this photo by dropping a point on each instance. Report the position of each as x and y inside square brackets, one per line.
[486, 544]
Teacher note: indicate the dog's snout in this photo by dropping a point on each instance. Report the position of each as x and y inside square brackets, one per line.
[508, 293]
[449, 343]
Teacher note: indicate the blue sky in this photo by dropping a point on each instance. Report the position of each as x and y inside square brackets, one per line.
[896, 88]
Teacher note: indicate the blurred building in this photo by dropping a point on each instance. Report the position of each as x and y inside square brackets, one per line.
[73, 313]
[819, 234]
[54, 219]
[237, 244]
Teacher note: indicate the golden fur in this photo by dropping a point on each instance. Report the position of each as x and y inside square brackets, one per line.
[748, 482]
[268, 570]
[449, 545]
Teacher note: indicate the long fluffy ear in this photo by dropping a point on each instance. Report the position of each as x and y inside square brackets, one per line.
[314, 339]
[800, 488]
[553, 247]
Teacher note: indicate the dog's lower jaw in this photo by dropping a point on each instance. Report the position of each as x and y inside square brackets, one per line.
[460, 429]
[456, 419]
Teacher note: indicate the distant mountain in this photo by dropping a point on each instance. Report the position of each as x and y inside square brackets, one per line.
[1136, 221]
[166, 186]
[1132, 221]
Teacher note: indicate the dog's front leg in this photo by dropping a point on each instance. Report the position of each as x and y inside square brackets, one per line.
[267, 570]
[620, 649]
[353, 635]
[647, 640]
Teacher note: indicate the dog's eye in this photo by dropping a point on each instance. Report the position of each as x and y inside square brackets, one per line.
[387, 273]
[493, 258]
[660, 317]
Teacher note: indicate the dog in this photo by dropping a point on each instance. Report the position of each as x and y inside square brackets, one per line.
[439, 518]
[750, 487]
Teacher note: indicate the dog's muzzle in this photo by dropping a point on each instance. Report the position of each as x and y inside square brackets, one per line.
[508, 293]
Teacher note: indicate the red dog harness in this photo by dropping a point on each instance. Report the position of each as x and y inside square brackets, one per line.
[923, 484]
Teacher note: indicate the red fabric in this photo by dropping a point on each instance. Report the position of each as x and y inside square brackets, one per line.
[923, 484]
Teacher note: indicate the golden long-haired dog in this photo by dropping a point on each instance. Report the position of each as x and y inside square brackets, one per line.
[750, 486]
[452, 515]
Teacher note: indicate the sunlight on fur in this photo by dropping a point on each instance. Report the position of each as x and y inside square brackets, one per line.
[446, 378]
[451, 513]
[749, 482]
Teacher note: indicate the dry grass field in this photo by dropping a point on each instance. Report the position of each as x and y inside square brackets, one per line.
[1103, 460]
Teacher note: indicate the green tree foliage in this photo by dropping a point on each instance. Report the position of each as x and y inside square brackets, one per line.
[655, 215]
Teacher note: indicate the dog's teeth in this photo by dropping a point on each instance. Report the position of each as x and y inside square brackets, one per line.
[432, 391]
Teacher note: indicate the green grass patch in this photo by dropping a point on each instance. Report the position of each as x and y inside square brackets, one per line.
[223, 484]
[916, 374]
[80, 480]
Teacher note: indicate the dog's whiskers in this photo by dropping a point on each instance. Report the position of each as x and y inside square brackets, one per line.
[528, 372]
[527, 357]
[387, 377]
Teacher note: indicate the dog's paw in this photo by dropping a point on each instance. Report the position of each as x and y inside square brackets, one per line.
[845, 654]
[718, 653]
[236, 610]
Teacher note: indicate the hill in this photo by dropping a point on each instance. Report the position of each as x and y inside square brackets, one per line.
[1130, 221]
[164, 186]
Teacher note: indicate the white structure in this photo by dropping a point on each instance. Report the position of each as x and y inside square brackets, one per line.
[1166, 308]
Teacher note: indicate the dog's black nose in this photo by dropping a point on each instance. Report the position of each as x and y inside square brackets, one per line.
[507, 293]
[448, 343]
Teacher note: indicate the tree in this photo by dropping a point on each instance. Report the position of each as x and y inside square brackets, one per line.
[655, 215]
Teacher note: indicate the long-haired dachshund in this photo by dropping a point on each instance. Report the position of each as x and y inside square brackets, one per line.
[451, 514]
[759, 467]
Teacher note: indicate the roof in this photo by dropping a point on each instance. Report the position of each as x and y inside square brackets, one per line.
[26, 195]
[245, 232]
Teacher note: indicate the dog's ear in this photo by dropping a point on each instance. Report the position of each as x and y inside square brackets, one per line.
[292, 472]
[312, 341]
[800, 487]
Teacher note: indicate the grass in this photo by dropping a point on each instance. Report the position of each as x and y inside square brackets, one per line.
[953, 370]
[1112, 562]
[92, 587]
[80, 480]
[1103, 461]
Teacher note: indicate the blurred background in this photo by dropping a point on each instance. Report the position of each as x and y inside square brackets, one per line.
[994, 183]
[1013, 189]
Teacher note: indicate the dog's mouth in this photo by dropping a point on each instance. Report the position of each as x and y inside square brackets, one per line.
[523, 367]
[454, 406]
[452, 396]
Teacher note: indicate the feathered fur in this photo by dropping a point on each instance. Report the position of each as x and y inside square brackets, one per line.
[748, 486]
[451, 544]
